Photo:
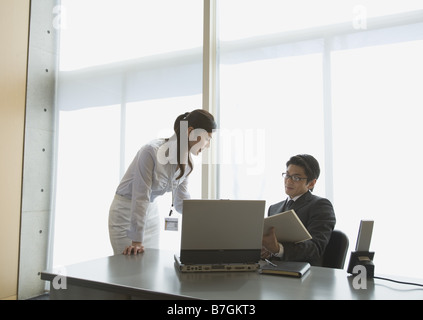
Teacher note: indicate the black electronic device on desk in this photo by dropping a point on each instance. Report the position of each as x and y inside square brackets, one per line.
[362, 256]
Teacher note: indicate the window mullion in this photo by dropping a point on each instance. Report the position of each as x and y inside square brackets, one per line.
[209, 93]
[327, 112]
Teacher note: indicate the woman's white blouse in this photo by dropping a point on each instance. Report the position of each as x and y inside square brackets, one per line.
[152, 173]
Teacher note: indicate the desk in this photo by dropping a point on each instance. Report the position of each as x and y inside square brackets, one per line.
[152, 275]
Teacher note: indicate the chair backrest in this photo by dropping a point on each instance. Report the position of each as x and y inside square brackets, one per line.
[336, 250]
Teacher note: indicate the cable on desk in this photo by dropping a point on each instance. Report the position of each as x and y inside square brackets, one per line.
[402, 282]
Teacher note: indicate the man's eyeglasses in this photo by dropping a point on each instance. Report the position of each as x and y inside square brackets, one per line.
[293, 178]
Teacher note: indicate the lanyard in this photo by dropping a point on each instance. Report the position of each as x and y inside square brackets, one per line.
[173, 198]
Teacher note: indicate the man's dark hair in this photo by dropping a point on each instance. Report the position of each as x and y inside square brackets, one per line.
[308, 163]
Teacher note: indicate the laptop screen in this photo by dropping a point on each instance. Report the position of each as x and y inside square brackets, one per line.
[222, 231]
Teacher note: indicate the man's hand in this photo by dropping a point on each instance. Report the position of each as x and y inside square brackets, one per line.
[270, 244]
[135, 248]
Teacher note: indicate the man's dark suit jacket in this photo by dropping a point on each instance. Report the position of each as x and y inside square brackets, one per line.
[318, 217]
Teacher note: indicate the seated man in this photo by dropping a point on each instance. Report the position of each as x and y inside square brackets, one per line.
[316, 213]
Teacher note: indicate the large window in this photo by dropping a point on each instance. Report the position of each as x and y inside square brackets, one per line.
[128, 68]
[377, 105]
[337, 79]
[341, 81]
[263, 102]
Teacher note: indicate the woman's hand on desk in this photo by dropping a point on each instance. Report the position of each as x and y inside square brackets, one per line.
[135, 248]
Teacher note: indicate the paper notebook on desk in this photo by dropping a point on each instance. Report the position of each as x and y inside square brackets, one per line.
[285, 268]
[288, 227]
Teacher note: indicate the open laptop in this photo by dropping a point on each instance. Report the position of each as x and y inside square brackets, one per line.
[221, 235]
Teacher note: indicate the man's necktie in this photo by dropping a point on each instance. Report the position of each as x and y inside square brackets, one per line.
[289, 204]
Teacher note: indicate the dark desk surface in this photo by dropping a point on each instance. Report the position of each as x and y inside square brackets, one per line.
[152, 275]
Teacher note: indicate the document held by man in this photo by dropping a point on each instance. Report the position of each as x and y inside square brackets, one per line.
[288, 227]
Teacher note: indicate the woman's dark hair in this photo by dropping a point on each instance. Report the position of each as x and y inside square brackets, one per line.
[308, 163]
[197, 119]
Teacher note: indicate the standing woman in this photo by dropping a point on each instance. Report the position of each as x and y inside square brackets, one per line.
[161, 166]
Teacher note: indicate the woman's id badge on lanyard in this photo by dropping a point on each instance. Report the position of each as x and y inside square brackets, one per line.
[171, 224]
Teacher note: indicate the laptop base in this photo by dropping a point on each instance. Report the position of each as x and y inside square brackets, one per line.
[227, 267]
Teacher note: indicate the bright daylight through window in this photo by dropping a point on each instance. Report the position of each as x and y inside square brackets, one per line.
[340, 80]
[127, 70]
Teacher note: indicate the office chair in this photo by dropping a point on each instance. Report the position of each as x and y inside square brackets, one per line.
[336, 250]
